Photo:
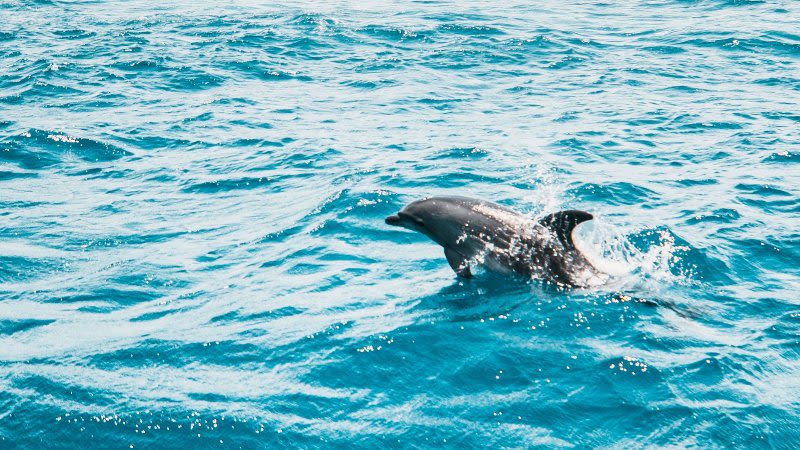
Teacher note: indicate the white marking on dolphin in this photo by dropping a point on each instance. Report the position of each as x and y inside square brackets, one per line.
[503, 241]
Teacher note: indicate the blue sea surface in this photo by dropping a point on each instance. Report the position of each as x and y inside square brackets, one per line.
[193, 252]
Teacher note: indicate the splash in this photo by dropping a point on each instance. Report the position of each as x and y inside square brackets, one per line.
[634, 257]
[625, 257]
[549, 191]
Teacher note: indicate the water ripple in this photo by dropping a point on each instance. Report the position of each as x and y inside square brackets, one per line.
[193, 248]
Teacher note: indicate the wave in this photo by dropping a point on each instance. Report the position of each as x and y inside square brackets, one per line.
[38, 149]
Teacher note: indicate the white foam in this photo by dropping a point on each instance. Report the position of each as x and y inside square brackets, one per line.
[609, 249]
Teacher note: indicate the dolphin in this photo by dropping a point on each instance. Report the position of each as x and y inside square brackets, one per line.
[474, 232]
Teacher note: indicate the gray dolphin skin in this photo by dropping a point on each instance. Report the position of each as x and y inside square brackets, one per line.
[503, 241]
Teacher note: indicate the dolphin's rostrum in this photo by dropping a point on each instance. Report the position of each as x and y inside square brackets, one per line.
[477, 232]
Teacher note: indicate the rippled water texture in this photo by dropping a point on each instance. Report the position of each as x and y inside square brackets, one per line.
[193, 253]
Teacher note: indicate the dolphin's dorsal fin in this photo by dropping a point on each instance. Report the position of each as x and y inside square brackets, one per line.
[459, 264]
[563, 222]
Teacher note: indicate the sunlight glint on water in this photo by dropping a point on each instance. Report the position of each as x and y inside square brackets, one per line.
[193, 252]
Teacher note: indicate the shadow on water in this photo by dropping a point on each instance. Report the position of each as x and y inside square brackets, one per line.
[492, 294]
[484, 295]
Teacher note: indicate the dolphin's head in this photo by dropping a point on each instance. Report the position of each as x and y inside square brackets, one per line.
[401, 219]
[433, 217]
[411, 216]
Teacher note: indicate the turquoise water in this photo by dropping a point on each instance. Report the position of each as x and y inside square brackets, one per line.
[193, 253]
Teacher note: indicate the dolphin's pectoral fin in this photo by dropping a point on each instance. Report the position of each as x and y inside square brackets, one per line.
[459, 264]
[563, 222]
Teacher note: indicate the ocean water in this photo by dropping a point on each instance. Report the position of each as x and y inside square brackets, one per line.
[193, 253]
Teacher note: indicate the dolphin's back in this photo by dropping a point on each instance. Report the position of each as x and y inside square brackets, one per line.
[486, 225]
[479, 212]
[469, 202]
